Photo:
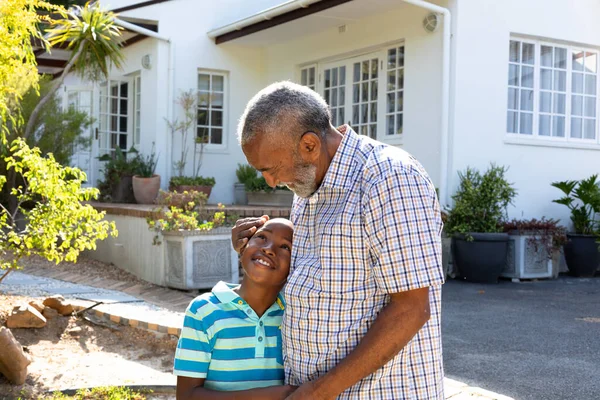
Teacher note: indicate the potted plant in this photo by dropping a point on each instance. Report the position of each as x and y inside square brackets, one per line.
[189, 183]
[117, 185]
[582, 252]
[197, 252]
[475, 222]
[261, 194]
[146, 183]
[533, 248]
[245, 173]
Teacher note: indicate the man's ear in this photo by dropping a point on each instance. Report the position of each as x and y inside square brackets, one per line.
[309, 147]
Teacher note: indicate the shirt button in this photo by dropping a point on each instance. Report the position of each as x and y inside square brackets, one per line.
[240, 302]
[260, 338]
[260, 323]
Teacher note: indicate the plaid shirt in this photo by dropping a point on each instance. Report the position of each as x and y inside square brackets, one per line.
[372, 228]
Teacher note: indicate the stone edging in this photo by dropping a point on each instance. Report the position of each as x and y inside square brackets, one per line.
[134, 323]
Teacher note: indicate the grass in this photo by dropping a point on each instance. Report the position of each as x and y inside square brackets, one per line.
[101, 393]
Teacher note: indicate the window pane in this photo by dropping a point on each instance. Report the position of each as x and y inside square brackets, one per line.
[391, 58]
[400, 101]
[577, 84]
[528, 53]
[527, 77]
[514, 51]
[113, 123]
[399, 126]
[365, 70]
[526, 123]
[342, 95]
[304, 77]
[560, 80]
[391, 102]
[334, 121]
[216, 118]
[576, 105]
[217, 83]
[355, 114]
[334, 97]
[356, 72]
[590, 107]
[513, 75]
[513, 100]
[545, 101]
[203, 82]
[576, 127]
[374, 68]
[364, 113]
[202, 134]
[560, 58]
[401, 57]
[373, 90]
[203, 98]
[327, 78]
[355, 93]
[401, 79]
[202, 116]
[590, 84]
[544, 125]
[589, 129]
[123, 142]
[124, 89]
[546, 79]
[391, 81]
[511, 122]
[216, 136]
[364, 130]
[591, 60]
[364, 91]
[327, 97]
[341, 117]
[342, 75]
[334, 77]
[559, 103]
[216, 100]
[373, 112]
[527, 100]
[123, 106]
[373, 132]
[577, 61]
[546, 56]
[389, 125]
[558, 126]
[123, 124]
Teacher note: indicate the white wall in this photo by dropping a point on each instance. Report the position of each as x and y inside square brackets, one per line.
[422, 79]
[480, 98]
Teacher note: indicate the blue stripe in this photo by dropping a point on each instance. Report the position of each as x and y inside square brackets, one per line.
[237, 332]
[247, 375]
[215, 316]
[234, 354]
[192, 366]
[191, 344]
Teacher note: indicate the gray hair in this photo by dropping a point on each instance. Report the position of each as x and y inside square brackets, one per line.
[284, 109]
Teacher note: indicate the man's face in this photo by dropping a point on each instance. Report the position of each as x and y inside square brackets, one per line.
[282, 166]
[266, 258]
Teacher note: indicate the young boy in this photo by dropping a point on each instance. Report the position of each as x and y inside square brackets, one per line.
[230, 343]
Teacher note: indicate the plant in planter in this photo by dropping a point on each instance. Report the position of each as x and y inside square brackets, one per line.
[582, 253]
[188, 183]
[261, 194]
[117, 186]
[146, 183]
[198, 250]
[476, 223]
[533, 248]
[245, 173]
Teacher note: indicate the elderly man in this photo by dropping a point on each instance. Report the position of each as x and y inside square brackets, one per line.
[364, 292]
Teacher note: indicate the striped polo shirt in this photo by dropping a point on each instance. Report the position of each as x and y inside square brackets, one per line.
[225, 342]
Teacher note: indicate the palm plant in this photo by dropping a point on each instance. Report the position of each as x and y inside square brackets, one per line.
[583, 199]
[91, 35]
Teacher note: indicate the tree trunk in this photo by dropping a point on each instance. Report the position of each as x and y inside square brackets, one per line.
[38, 108]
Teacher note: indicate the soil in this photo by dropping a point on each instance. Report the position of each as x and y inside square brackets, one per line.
[72, 352]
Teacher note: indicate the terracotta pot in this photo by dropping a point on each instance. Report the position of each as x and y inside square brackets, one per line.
[186, 188]
[146, 190]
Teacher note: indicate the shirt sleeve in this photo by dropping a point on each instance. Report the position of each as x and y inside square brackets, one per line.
[194, 348]
[403, 226]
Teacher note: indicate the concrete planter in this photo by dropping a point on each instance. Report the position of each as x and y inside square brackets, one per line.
[277, 198]
[198, 260]
[527, 259]
[239, 194]
[146, 190]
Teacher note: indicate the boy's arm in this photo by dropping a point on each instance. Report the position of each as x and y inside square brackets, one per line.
[193, 389]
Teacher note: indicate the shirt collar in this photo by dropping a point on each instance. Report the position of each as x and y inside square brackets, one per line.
[224, 292]
[341, 172]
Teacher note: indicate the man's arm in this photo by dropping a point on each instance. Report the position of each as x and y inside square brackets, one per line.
[394, 327]
[193, 389]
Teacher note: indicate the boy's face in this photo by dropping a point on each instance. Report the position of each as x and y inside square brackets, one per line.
[266, 258]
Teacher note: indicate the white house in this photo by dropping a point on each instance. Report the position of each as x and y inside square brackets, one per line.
[457, 83]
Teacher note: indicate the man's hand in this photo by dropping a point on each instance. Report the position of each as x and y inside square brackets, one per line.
[244, 229]
[308, 391]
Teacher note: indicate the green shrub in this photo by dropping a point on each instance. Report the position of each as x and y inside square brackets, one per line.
[191, 181]
[583, 199]
[245, 173]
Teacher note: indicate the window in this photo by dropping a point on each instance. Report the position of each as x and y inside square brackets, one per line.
[365, 85]
[395, 91]
[335, 93]
[307, 77]
[114, 115]
[137, 96]
[552, 91]
[211, 107]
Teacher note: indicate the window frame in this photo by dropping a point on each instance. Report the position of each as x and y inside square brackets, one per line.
[535, 137]
[214, 147]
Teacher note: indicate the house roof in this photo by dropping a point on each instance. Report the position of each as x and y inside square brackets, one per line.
[54, 61]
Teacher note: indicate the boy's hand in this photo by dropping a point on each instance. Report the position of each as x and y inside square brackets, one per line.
[244, 229]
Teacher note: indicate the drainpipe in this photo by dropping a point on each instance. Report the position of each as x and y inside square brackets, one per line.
[444, 146]
[171, 80]
[261, 16]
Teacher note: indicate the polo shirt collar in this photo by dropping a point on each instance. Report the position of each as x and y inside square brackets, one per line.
[224, 292]
[341, 171]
